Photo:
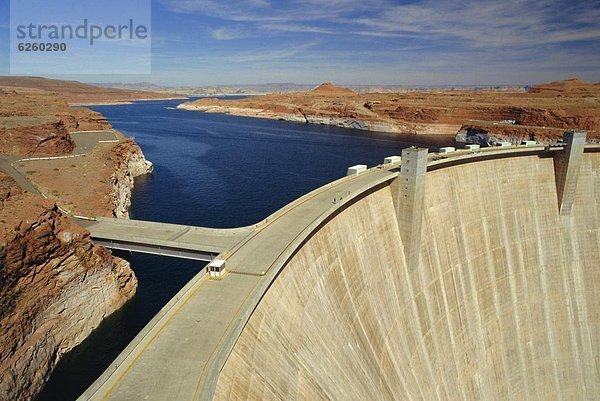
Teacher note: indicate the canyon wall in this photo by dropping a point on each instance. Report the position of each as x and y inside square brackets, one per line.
[56, 287]
[503, 304]
[37, 123]
[130, 163]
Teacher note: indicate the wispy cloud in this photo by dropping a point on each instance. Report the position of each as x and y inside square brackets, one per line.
[480, 24]
[378, 41]
[474, 23]
[257, 56]
[224, 33]
[298, 28]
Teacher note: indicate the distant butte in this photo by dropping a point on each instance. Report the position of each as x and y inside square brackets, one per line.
[330, 89]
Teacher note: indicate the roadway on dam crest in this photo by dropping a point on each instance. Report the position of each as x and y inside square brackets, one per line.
[173, 358]
[179, 354]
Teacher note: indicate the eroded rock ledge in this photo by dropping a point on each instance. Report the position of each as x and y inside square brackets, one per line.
[130, 163]
[56, 285]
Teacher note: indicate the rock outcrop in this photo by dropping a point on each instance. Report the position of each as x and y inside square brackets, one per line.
[493, 134]
[329, 89]
[542, 113]
[45, 139]
[56, 287]
[79, 93]
[130, 163]
[37, 123]
[542, 126]
[572, 85]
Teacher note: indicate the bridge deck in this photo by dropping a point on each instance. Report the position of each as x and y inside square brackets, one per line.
[164, 239]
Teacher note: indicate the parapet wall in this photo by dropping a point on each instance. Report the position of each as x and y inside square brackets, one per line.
[503, 304]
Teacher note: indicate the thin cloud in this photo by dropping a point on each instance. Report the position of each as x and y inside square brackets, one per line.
[474, 23]
[224, 33]
[510, 23]
[297, 28]
[271, 55]
[465, 39]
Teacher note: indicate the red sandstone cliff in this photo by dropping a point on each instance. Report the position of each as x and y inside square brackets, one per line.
[56, 287]
[37, 123]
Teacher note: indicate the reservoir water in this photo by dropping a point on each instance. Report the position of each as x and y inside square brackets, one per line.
[217, 171]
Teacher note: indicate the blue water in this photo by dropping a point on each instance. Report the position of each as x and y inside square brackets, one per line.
[217, 171]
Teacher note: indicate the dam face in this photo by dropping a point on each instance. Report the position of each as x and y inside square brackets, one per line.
[502, 303]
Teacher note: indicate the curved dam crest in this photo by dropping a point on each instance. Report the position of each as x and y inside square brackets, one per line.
[503, 304]
[464, 277]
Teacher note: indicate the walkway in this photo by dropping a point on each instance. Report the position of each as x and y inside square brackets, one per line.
[174, 240]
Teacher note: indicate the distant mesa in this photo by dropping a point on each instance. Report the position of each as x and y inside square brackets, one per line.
[566, 86]
[330, 89]
[75, 92]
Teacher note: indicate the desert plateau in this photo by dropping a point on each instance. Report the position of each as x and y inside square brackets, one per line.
[483, 117]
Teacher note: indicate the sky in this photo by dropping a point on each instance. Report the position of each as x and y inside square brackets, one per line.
[375, 42]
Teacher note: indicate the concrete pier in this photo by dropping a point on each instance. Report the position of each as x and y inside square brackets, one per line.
[409, 202]
[567, 165]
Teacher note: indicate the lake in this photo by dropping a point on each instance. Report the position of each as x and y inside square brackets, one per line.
[210, 170]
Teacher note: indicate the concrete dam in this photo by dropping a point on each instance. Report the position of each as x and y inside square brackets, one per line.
[470, 277]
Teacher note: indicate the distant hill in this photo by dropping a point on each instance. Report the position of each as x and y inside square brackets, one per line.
[329, 89]
[76, 92]
[573, 85]
[484, 116]
[211, 90]
[287, 87]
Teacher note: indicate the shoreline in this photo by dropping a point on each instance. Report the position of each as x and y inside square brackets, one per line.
[67, 275]
[124, 102]
[341, 122]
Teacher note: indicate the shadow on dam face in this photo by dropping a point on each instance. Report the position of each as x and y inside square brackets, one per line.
[503, 302]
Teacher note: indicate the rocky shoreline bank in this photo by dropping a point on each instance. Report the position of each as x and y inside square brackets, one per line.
[57, 285]
[295, 118]
[131, 163]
